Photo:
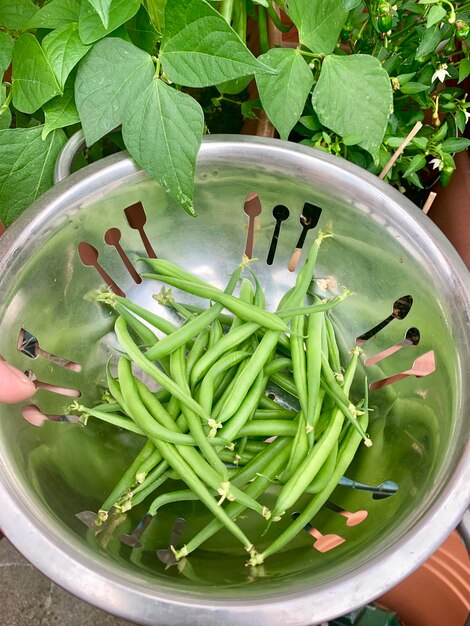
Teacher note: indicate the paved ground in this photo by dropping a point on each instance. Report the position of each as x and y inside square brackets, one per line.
[27, 598]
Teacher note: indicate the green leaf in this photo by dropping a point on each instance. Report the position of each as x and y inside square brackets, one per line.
[163, 132]
[90, 25]
[414, 178]
[156, 10]
[405, 78]
[310, 122]
[420, 142]
[34, 82]
[412, 87]
[55, 14]
[16, 14]
[283, 96]
[108, 80]
[417, 163]
[351, 4]
[428, 1]
[235, 86]
[440, 134]
[464, 69]
[102, 7]
[460, 121]
[64, 49]
[200, 49]
[60, 112]
[319, 23]
[5, 114]
[455, 144]
[6, 48]
[436, 14]
[26, 168]
[142, 32]
[431, 39]
[353, 96]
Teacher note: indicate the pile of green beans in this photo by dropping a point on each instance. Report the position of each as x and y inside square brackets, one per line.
[213, 424]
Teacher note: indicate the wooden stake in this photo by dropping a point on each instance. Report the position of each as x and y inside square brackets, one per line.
[416, 128]
[429, 201]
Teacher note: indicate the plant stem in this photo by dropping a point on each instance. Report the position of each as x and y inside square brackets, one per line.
[226, 10]
[284, 28]
[263, 29]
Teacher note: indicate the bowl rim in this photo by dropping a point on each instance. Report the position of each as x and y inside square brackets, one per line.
[93, 581]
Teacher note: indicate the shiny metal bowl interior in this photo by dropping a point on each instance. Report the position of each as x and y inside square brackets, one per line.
[383, 248]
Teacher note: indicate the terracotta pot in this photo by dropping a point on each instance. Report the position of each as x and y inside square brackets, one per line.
[436, 594]
[451, 208]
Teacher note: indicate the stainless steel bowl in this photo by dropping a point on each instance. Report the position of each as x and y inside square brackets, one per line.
[383, 248]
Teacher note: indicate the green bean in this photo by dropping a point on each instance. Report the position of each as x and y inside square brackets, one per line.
[172, 456]
[195, 326]
[268, 428]
[142, 418]
[224, 319]
[309, 467]
[277, 365]
[215, 334]
[247, 312]
[147, 465]
[201, 467]
[274, 414]
[108, 407]
[313, 308]
[255, 446]
[197, 351]
[284, 382]
[206, 389]
[321, 479]
[163, 266]
[178, 371]
[227, 342]
[247, 294]
[313, 358]
[345, 456]
[299, 448]
[129, 477]
[298, 362]
[266, 471]
[229, 456]
[260, 298]
[155, 320]
[111, 418]
[162, 379]
[139, 493]
[144, 332]
[232, 427]
[183, 495]
[333, 351]
[267, 403]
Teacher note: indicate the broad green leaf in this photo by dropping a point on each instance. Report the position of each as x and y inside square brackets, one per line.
[319, 23]
[108, 80]
[420, 142]
[102, 7]
[56, 14]
[15, 14]
[441, 133]
[90, 25]
[163, 132]
[436, 14]
[351, 4]
[60, 112]
[431, 39]
[353, 96]
[455, 144]
[417, 163]
[5, 113]
[310, 122]
[6, 48]
[464, 69]
[26, 167]
[64, 49]
[405, 78]
[34, 82]
[412, 87]
[428, 1]
[283, 96]
[200, 49]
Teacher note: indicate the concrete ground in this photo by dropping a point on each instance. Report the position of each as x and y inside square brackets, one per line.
[27, 598]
